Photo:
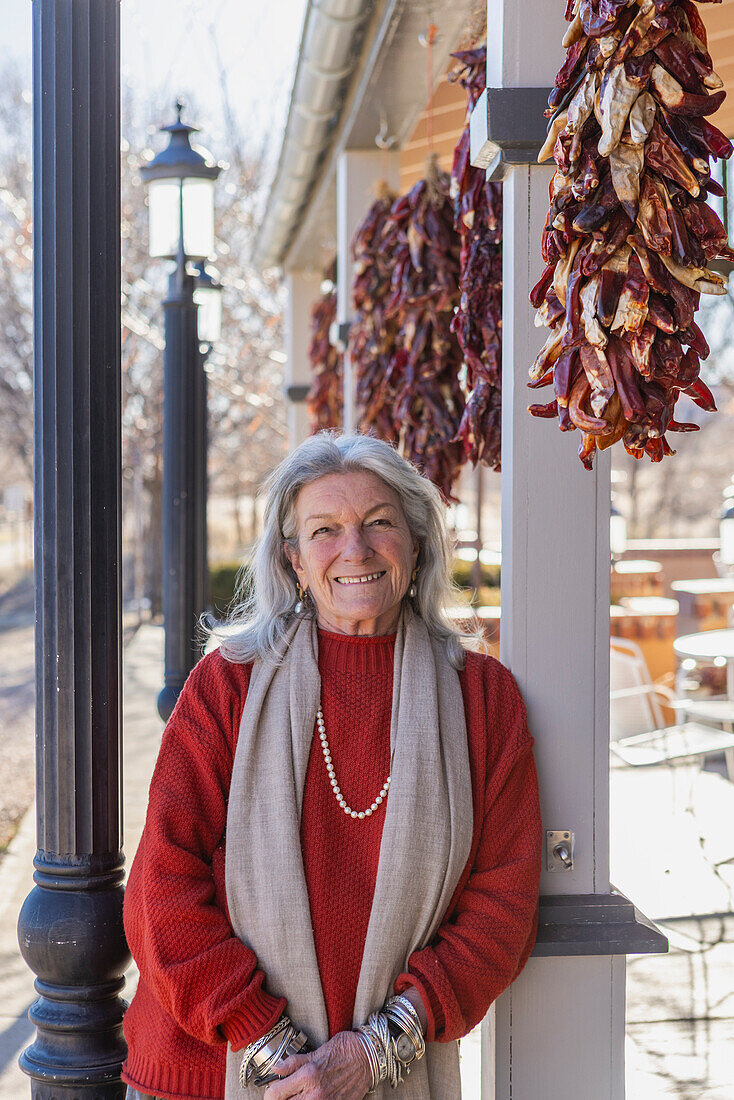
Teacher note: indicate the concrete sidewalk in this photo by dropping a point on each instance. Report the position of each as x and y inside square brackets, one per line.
[672, 854]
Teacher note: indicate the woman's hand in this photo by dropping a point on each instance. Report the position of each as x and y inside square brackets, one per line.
[338, 1070]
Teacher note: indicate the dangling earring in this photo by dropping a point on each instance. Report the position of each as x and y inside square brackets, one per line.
[301, 602]
[412, 591]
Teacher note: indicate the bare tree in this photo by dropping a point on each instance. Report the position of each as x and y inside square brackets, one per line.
[16, 287]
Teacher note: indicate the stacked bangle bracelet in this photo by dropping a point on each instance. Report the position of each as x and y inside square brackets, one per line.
[393, 1040]
[260, 1058]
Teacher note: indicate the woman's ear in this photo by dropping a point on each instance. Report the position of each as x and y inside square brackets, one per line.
[293, 557]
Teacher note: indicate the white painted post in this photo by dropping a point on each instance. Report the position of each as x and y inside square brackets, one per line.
[559, 1032]
[303, 290]
[560, 1027]
[357, 174]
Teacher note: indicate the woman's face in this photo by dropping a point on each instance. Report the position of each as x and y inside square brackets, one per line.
[355, 553]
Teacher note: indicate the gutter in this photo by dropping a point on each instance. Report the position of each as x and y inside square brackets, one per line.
[327, 55]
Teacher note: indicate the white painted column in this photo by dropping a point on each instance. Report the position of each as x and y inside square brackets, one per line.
[358, 172]
[560, 1027]
[303, 290]
[559, 1030]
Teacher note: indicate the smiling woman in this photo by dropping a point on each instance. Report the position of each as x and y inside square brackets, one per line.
[340, 863]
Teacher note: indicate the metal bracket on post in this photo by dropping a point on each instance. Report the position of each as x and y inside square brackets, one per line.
[339, 335]
[297, 393]
[559, 850]
[508, 127]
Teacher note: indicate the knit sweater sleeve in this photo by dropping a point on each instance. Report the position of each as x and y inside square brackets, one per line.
[175, 907]
[490, 930]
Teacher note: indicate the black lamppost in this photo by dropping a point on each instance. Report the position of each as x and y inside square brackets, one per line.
[181, 205]
[208, 299]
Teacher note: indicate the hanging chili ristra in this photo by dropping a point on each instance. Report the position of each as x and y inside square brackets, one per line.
[478, 319]
[629, 232]
[325, 399]
[407, 359]
[372, 335]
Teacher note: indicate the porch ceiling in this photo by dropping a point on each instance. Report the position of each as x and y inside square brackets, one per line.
[391, 78]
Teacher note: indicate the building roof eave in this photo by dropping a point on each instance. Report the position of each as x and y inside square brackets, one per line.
[388, 78]
[327, 54]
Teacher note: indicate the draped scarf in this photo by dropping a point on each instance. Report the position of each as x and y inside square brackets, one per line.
[426, 836]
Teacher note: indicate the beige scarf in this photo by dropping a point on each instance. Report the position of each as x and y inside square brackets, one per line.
[426, 838]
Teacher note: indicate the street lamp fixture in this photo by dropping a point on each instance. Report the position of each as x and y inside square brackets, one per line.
[180, 183]
[617, 533]
[726, 533]
[208, 297]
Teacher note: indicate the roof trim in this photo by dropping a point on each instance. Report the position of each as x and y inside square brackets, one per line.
[328, 52]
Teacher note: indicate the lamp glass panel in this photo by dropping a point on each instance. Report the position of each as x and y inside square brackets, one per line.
[726, 532]
[163, 217]
[209, 316]
[617, 534]
[198, 214]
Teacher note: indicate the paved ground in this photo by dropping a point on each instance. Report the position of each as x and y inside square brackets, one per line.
[673, 853]
[17, 699]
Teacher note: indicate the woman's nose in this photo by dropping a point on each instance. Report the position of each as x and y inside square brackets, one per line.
[356, 547]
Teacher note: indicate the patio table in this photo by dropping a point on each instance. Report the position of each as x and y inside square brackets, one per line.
[719, 711]
[707, 645]
[699, 597]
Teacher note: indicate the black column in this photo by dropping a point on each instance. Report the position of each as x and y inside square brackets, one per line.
[202, 489]
[70, 927]
[181, 488]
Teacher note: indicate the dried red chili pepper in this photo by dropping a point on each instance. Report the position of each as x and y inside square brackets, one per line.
[629, 232]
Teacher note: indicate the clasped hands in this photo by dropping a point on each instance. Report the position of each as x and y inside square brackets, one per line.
[338, 1070]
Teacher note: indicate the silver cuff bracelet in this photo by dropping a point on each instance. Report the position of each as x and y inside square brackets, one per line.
[261, 1057]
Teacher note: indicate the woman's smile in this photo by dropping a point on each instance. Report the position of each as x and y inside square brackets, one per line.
[367, 578]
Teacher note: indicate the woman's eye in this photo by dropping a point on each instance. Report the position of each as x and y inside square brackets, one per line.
[385, 521]
[320, 531]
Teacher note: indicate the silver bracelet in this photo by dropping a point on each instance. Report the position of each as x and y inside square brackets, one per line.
[390, 1057]
[260, 1058]
[406, 1041]
[368, 1043]
[402, 1012]
[377, 1046]
[380, 1046]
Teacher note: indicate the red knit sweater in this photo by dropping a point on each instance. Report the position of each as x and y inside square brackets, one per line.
[200, 986]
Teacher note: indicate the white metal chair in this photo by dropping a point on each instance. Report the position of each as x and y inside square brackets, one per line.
[636, 730]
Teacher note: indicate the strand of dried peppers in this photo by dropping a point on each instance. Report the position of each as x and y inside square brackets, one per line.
[477, 322]
[325, 400]
[629, 233]
[407, 359]
[372, 335]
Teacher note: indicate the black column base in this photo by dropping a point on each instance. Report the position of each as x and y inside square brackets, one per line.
[168, 697]
[595, 924]
[71, 935]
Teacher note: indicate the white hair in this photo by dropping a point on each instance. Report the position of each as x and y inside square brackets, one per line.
[266, 589]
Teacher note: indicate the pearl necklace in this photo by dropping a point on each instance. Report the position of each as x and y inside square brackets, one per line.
[360, 815]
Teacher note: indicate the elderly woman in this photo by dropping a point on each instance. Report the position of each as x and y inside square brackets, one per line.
[339, 868]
